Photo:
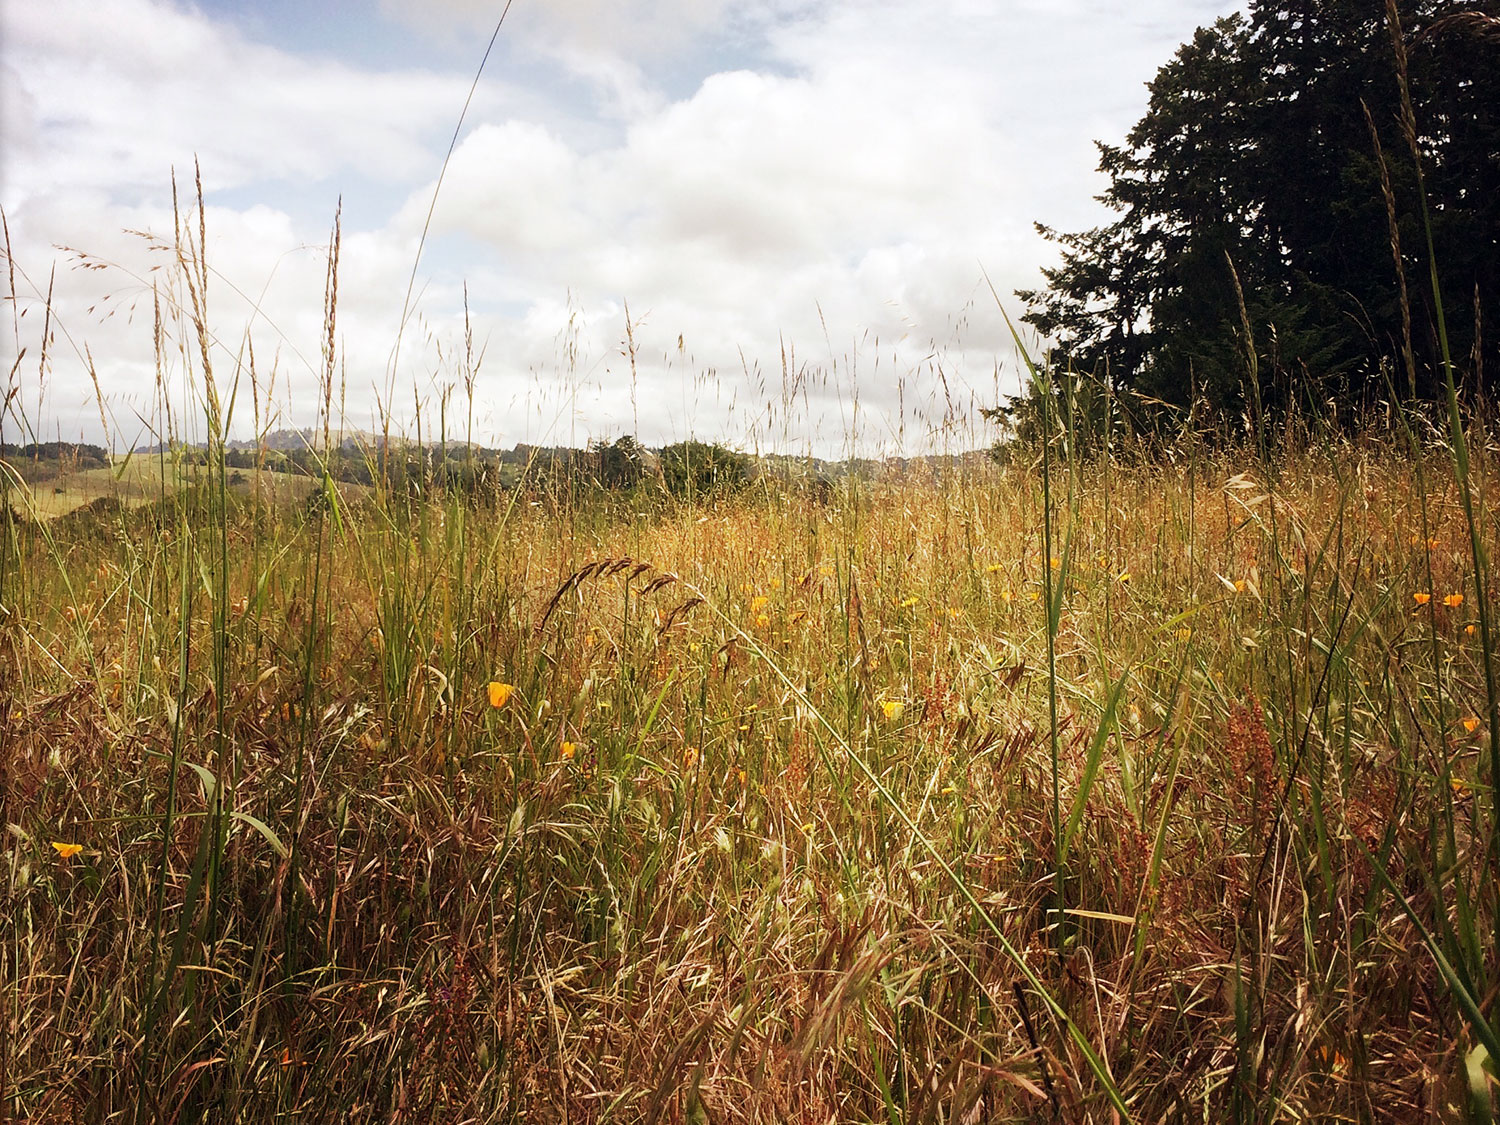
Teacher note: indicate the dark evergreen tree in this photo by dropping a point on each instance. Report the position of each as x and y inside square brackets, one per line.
[1253, 194]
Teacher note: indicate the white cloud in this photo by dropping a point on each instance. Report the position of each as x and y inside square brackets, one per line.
[265, 280]
[812, 219]
[103, 100]
[824, 209]
[112, 95]
[515, 184]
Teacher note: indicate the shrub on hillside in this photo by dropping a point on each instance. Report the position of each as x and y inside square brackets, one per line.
[624, 464]
[693, 469]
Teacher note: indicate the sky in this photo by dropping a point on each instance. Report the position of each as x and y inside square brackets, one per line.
[774, 223]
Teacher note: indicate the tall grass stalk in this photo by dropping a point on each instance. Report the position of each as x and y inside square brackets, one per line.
[1468, 976]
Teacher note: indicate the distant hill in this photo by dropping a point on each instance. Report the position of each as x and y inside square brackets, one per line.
[278, 441]
[41, 461]
[356, 453]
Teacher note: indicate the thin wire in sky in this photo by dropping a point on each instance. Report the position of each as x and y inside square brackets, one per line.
[431, 207]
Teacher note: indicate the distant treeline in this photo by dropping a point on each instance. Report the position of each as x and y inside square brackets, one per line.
[1307, 179]
[685, 469]
[41, 461]
[78, 453]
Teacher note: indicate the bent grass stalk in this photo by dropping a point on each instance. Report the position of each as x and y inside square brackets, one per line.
[1095, 1063]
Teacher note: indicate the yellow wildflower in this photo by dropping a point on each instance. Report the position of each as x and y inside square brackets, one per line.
[568, 750]
[759, 603]
[500, 693]
[1123, 577]
[1470, 722]
[689, 757]
[1332, 1059]
[1422, 599]
[908, 603]
[893, 709]
[762, 621]
[1453, 601]
[67, 851]
[1469, 630]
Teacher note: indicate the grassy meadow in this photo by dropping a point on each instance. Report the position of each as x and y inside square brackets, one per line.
[142, 479]
[1157, 786]
[1089, 783]
[1126, 791]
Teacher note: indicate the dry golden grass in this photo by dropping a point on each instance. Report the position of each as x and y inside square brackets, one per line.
[660, 882]
[146, 479]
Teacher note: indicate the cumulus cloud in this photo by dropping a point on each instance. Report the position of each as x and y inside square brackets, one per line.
[101, 103]
[821, 208]
[264, 289]
[802, 232]
[110, 96]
